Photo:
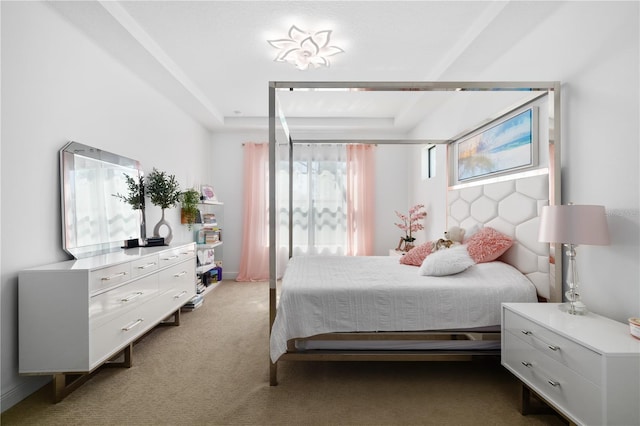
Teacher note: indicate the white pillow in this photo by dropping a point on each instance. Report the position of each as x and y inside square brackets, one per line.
[446, 262]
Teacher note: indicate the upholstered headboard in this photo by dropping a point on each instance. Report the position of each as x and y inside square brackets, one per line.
[513, 208]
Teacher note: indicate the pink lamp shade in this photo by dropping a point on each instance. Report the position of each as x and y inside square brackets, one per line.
[574, 224]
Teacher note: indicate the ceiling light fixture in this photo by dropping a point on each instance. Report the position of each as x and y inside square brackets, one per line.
[303, 49]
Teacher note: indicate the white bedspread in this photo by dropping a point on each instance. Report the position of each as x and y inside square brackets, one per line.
[323, 294]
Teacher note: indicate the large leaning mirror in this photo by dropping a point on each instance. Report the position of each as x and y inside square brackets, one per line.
[94, 220]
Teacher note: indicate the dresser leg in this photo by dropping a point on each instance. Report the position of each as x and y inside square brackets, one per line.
[176, 319]
[127, 362]
[531, 403]
[64, 384]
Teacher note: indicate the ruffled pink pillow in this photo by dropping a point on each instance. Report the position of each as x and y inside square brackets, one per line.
[487, 245]
[416, 255]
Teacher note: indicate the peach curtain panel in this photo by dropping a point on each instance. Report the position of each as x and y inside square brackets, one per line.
[360, 199]
[254, 260]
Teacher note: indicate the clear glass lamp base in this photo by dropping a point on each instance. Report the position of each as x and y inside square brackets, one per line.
[574, 305]
[575, 308]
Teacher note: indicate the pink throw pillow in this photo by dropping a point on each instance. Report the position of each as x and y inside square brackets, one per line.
[416, 255]
[487, 245]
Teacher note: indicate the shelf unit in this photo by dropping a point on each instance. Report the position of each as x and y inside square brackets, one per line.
[217, 209]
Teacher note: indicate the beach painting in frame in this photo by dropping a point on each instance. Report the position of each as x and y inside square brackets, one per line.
[506, 146]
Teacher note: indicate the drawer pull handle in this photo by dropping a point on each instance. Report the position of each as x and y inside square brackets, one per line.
[181, 274]
[133, 296]
[171, 257]
[526, 364]
[148, 265]
[133, 324]
[553, 383]
[114, 276]
[182, 293]
[549, 345]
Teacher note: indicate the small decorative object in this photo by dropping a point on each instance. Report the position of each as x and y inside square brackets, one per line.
[634, 327]
[208, 194]
[135, 198]
[571, 225]
[189, 200]
[410, 224]
[164, 191]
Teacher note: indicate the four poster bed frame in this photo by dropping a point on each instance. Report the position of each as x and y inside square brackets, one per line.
[518, 202]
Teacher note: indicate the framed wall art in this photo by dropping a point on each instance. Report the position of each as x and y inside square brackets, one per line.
[510, 145]
[207, 193]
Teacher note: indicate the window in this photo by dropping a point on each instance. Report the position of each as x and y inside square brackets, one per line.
[428, 162]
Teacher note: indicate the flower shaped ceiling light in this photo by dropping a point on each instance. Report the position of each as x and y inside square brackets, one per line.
[303, 49]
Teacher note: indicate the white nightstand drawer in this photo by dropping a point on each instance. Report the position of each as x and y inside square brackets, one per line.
[570, 392]
[582, 360]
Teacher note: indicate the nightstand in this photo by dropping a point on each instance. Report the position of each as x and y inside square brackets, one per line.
[585, 367]
[394, 252]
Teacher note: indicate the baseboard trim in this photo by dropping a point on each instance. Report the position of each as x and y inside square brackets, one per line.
[21, 391]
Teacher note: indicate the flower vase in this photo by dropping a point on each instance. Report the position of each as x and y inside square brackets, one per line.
[408, 243]
[160, 224]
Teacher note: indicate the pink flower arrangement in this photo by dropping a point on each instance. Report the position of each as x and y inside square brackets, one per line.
[411, 222]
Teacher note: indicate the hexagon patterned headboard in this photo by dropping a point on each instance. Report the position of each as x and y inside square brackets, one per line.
[513, 208]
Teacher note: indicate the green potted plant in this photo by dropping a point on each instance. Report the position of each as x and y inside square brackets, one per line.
[135, 198]
[189, 200]
[163, 191]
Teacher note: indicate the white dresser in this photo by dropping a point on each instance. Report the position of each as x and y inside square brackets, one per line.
[586, 367]
[76, 315]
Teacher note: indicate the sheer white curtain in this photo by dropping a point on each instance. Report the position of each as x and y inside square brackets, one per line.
[319, 199]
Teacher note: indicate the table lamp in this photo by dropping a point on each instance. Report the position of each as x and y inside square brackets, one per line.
[573, 225]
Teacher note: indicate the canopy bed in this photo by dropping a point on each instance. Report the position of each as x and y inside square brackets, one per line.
[377, 308]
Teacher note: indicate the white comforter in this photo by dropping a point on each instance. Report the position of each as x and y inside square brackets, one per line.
[322, 294]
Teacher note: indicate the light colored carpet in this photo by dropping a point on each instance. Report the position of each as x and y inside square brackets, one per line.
[213, 370]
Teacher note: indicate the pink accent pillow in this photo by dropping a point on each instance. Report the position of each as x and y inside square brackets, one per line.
[416, 255]
[487, 245]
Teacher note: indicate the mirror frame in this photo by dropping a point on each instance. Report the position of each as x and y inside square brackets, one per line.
[68, 156]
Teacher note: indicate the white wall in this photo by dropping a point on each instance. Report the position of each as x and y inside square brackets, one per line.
[593, 49]
[596, 57]
[57, 86]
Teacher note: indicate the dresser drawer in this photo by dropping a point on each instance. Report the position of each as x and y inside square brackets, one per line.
[120, 331]
[572, 393]
[145, 265]
[171, 257]
[181, 276]
[110, 304]
[579, 358]
[101, 280]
